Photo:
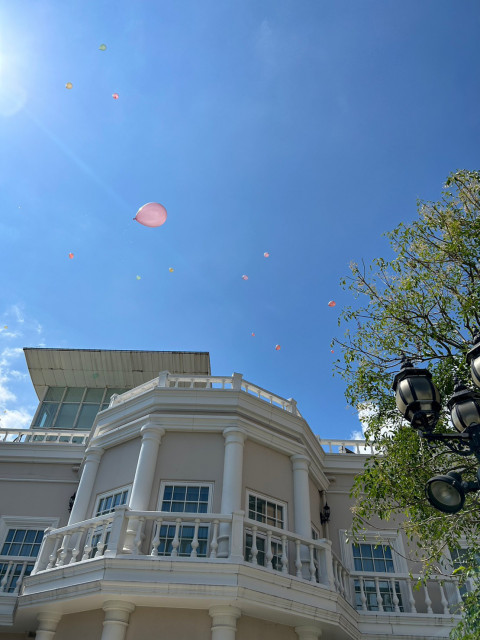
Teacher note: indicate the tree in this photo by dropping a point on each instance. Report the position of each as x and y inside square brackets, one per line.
[423, 302]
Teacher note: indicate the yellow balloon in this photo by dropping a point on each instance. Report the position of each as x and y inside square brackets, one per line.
[69, 85]
[139, 277]
[171, 270]
[103, 47]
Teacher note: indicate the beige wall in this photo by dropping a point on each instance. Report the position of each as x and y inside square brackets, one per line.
[166, 624]
[117, 468]
[86, 625]
[190, 457]
[255, 629]
[268, 472]
[30, 491]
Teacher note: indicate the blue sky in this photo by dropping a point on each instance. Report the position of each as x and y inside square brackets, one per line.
[301, 128]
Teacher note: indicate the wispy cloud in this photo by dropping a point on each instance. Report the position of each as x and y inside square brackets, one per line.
[15, 326]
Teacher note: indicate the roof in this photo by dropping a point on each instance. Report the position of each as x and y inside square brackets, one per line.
[108, 368]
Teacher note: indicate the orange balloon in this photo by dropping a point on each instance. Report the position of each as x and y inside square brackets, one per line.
[115, 96]
[277, 347]
[253, 334]
[332, 303]
[69, 85]
[70, 255]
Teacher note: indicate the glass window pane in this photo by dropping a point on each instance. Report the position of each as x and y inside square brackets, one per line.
[19, 535]
[54, 393]
[94, 395]
[179, 493]
[366, 550]
[390, 568]
[356, 550]
[358, 564]
[30, 536]
[379, 565]
[378, 551]
[204, 494]
[87, 415]
[367, 564]
[192, 493]
[46, 415]
[167, 492]
[10, 534]
[388, 552]
[74, 394]
[66, 416]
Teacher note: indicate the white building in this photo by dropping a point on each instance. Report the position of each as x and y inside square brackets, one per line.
[199, 513]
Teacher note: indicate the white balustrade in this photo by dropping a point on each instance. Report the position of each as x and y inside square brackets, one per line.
[40, 436]
[230, 383]
[14, 569]
[359, 447]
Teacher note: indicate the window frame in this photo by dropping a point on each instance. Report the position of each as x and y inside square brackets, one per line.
[279, 503]
[166, 522]
[81, 404]
[106, 494]
[28, 523]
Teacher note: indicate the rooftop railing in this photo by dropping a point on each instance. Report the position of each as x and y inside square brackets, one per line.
[234, 382]
[360, 447]
[22, 436]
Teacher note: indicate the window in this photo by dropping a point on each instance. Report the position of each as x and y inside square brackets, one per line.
[18, 543]
[184, 498]
[377, 558]
[266, 511]
[72, 407]
[270, 512]
[461, 557]
[107, 502]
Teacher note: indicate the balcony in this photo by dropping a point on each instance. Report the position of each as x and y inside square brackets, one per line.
[183, 558]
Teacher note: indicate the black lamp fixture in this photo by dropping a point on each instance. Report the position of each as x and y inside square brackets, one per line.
[418, 400]
[325, 514]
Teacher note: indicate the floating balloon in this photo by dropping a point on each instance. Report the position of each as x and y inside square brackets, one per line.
[332, 303]
[332, 351]
[69, 85]
[103, 47]
[115, 96]
[5, 327]
[277, 347]
[139, 277]
[244, 277]
[70, 255]
[171, 269]
[266, 254]
[253, 334]
[151, 214]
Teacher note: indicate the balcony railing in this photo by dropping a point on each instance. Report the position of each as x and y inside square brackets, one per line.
[22, 436]
[12, 571]
[200, 538]
[232, 383]
[195, 537]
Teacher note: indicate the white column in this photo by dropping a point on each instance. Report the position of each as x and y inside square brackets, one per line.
[143, 481]
[232, 482]
[301, 506]
[85, 486]
[301, 496]
[47, 625]
[308, 632]
[224, 622]
[115, 624]
[146, 465]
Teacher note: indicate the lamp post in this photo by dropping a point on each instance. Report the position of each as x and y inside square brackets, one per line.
[418, 400]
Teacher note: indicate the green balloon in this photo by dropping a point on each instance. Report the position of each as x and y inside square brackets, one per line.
[103, 47]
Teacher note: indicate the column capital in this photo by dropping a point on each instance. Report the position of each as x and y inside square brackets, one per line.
[308, 632]
[152, 432]
[300, 462]
[224, 615]
[48, 620]
[117, 610]
[234, 434]
[94, 454]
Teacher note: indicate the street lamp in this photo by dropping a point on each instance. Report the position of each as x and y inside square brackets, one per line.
[418, 400]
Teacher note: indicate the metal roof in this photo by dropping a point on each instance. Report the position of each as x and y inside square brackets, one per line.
[108, 368]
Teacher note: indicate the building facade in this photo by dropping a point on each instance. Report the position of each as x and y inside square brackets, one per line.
[175, 505]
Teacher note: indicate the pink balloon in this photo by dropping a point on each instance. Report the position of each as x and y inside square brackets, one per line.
[244, 277]
[151, 214]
